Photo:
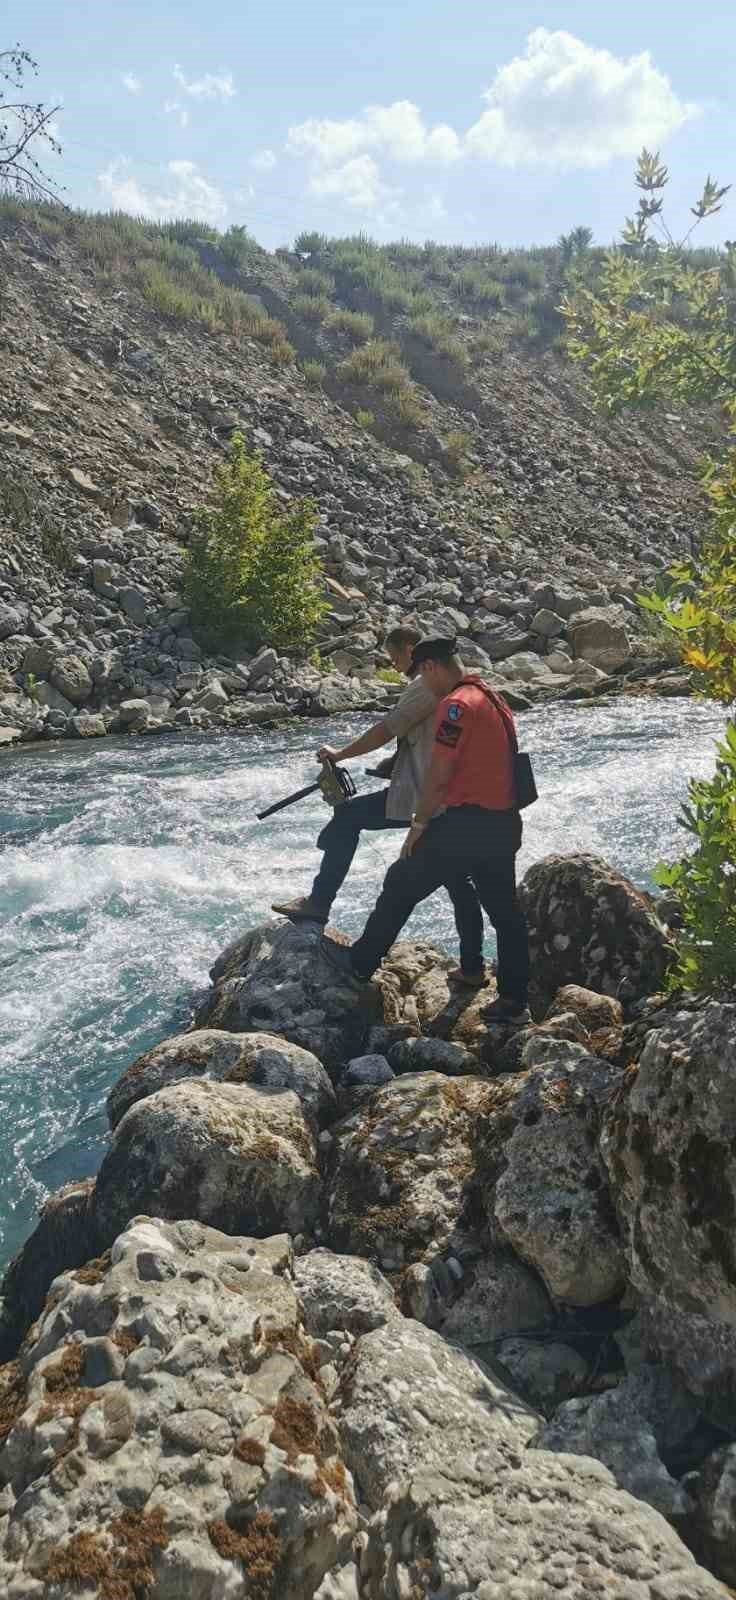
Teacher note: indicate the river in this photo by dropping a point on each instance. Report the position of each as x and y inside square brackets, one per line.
[125, 866]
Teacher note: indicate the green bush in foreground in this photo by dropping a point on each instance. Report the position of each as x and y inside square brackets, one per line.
[251, 574]
[705, 881]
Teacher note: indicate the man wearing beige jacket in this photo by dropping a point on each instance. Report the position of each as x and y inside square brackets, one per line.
[411, 722]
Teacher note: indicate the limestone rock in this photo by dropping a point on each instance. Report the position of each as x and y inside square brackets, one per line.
[588, 925]
[544, 1374]
[406, 1391]
[626, 1429]
[598, 1013]
[546, 1526]
[501, 1296]
[63, 1237]
[276, 979]
[542, 1183]
[342, 1292]
[600, 638]
[256, 1058]
[165, 1417]
[236, 1157]
[400, 1168]
[668, 1145]
[72, 679]
[716, 1512]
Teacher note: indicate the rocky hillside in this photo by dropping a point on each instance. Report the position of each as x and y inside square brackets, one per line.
[461, 473]
[366, 1303]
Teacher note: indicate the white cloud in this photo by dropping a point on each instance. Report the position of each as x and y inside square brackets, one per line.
[131, 83]
[357, 182]
[211, 86]
[263, 161]
[397, 131]
[175, 108]
[188, 193]
[565, 104]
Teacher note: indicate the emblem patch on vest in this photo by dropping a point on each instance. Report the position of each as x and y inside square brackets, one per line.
[454, 712]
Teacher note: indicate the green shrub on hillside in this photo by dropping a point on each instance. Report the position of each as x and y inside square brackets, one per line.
[311, 308]
[237, 246]
[320, 284]
[310, 244]
[251, 574]
[365, 419]
[315, 373]
[439, 334]
[358, 325]
[457, 445]
[479, 288]
[378, 365]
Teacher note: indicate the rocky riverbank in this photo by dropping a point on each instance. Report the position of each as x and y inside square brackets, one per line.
[367, 1303]
[112, 419]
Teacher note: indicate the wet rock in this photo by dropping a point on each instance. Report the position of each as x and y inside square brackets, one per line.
[667, 1142]
[543, 1185]
[405, 1389]
[401, 1167]
[276, 979]
[589, 926]
[236, 1157]
[197, 1457]
[627, 1429]
[256, 1058]
[64, 1236]
[342, 1292]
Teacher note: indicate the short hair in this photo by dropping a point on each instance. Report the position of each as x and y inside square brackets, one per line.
[402, 638]
[443, 650]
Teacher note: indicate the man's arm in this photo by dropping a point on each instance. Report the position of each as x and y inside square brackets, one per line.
[373, 739]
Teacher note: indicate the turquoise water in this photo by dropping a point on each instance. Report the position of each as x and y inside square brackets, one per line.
[125, 867]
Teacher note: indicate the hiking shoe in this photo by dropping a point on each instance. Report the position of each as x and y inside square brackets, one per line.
[338, 957]
[468, 980]
[302, 910]
[506, 1014]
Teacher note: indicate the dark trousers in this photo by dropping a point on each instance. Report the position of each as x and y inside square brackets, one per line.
[467, 842]
[339, 840]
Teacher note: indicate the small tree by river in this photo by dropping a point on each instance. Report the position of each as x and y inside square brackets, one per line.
[251, 575]
[660, 326]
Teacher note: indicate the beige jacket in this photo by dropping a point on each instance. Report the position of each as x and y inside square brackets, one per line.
[412, 723]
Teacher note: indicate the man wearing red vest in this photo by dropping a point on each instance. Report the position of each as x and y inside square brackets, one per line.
[467, 821]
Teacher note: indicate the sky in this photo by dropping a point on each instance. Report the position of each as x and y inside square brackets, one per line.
[464, 121]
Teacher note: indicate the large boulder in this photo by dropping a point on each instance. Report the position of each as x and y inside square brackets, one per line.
[716, 1512]
[668, 1144]
[481, 1527]
[541, 1180]
[600, 637]
[629, 1428]
[164, 1434]
[72, 678]
[406, 1391]
[342, 1292]
[276, 979]
[64, 1236]
[256, 1058]
[401, 1168]
[589, 926]
[238, 1158]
